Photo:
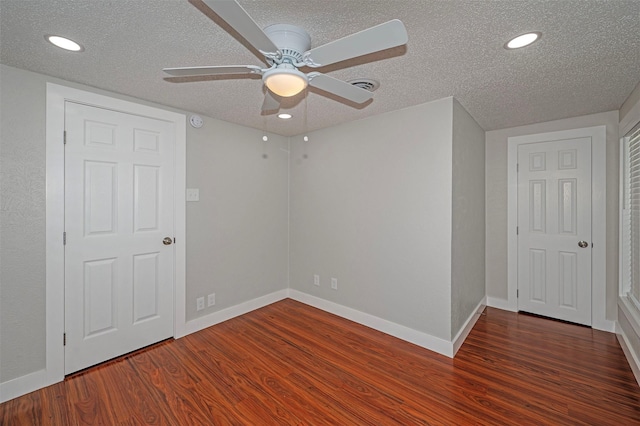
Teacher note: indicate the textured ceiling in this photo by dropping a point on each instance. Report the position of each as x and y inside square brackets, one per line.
[587, 61]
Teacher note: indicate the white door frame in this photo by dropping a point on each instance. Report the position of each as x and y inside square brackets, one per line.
[56, 97]
[598, 135]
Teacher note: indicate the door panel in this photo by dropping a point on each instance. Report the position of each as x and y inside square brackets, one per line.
[99, 302]
[118, 208]
[554, 215]
[538, 276]
[568, 279]
[100, 198]
[146, 286]
[146, 198]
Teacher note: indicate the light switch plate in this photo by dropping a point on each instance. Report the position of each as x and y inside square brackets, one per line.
[193, 194]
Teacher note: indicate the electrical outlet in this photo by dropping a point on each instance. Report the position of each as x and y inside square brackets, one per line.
[211, 299]
[316, 280]
[193, 194]
[334, 283]
[199, 303]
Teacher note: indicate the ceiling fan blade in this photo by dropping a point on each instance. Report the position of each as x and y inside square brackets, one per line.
[221, 70]
[233, 14]
[339, 87]
[271, 102]
[381, 37]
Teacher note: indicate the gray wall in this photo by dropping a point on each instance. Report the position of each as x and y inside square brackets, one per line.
[238, 232]
[632, 100]
[371, 206]
[22, 223]
[241, 256]
[468, 232]
[496, 200]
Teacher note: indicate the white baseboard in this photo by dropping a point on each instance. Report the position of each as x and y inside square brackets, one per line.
[231, 312]
[419, 338]
[468, 326]
[23, 385]
[629, 314]
[632, 357]
[604, 325]
[503, 304]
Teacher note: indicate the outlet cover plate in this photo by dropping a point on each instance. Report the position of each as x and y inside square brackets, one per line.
[193, 194]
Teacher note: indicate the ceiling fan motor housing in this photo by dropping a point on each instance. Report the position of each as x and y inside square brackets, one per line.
[291, 40]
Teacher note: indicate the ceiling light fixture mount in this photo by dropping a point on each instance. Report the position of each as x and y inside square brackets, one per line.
[523, 40]
[284, 116]
[64, 43]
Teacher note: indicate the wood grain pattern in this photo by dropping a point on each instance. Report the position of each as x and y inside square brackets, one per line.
[289, 363]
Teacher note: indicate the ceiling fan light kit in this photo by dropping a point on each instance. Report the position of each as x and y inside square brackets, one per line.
[285, 80]
[287, 48]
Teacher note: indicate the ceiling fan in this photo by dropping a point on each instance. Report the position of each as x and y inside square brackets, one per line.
[286, 48]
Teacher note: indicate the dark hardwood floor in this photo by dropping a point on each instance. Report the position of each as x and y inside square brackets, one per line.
[289, 363]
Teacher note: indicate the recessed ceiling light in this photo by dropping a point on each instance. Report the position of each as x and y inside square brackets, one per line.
[523, 40]
[64, 43]
[284, 116]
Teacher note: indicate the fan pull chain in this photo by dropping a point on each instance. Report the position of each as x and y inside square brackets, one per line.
[306, 128]
[265, 138]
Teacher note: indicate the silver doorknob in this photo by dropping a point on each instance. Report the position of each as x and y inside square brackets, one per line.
[167, 241]
[583, 244]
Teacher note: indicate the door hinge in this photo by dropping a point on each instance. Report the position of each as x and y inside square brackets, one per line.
[64, 238]
[174, 240]
[64, 339]
[517, 293]
[517, 167]
[64, 137]
[517, 230]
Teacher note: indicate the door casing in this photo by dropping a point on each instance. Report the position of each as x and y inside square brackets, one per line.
[56, 97]
[598, 212]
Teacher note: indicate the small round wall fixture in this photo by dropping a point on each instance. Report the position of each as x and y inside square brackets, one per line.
[196, 121]
[523, 40]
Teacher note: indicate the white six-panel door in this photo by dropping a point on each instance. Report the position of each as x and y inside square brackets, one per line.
[119, 277]
[554, 229]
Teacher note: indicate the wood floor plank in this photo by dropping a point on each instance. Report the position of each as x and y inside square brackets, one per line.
[346, 369]
[289, 363]
[462, 391]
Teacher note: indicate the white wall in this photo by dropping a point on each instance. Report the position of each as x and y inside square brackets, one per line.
[242, 256]
[371, 206]
[468, 232]
[496, 200]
